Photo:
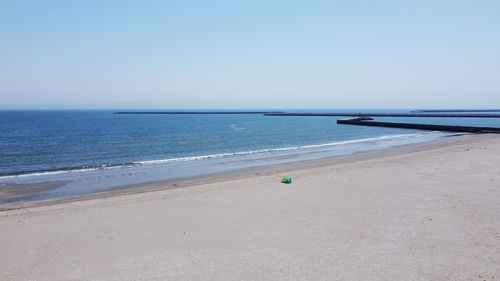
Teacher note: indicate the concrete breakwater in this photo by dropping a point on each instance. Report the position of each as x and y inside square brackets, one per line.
[364, 118]
[372, 114]
[366, 121]
[328, 114]
[193, 112]
[456, 110]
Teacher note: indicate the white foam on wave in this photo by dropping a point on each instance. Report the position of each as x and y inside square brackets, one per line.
[49, 173]
[282, 149]
[233, 154]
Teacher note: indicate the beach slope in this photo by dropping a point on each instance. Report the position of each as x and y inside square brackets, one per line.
[421, 212]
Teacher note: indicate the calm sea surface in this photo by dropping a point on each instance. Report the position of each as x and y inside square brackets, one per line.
[98, 150]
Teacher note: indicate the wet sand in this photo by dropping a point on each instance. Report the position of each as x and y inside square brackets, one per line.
[12, 192]
[421, 212]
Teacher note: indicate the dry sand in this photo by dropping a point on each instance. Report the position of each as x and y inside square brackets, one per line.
[422, 212]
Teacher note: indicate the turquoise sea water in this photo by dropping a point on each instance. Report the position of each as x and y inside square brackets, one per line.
[98, 150]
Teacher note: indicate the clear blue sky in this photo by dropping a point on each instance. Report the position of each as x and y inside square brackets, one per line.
[249, 54]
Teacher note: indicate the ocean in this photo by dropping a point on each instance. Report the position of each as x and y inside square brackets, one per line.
[93, 151]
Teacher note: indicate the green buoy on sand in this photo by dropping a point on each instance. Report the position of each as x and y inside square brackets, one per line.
[286, 180]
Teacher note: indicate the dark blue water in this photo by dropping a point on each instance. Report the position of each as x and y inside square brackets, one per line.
[84, 146]
[34, 141]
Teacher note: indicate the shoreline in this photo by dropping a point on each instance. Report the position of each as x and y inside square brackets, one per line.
[145, 187]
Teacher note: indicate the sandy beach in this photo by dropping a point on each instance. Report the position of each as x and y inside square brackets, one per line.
[421, 212]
